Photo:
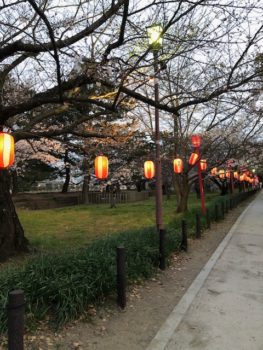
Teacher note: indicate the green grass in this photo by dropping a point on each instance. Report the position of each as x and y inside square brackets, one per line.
[73, 227]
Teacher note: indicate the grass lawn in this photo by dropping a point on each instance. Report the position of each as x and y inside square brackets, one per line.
[72, 227]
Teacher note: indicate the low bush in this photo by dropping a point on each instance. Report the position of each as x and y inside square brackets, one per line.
[62, 286]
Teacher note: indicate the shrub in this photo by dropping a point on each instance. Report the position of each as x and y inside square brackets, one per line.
[62, 286]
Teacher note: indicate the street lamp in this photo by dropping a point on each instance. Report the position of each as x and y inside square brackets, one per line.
[196, 142]
[155, 40]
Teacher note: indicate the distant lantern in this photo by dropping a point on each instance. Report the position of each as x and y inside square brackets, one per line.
[193, 158]
[213, 171]
[228, 174]
[178, 165]
[149, 170]
[221, 174]
[101, 167]
[203, 164]
[196, 140]
[242, 177]
[236, 175]
[7, 150]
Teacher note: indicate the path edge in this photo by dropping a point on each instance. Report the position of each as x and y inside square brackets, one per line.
[166, 331]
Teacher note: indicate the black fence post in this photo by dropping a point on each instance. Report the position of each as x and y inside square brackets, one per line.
[15, 319]
[208, 220]
[198, 226]
[162, 249]
[121, 277]
[216, 213]
[223, 209]
[226, 206]
[184, 243]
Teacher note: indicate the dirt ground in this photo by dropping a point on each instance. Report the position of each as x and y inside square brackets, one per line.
[148, 303]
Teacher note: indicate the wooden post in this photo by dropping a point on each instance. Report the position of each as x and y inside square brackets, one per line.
[162, 249]
[198, 226]
[15, 320]
[121, 277]
[184, 243]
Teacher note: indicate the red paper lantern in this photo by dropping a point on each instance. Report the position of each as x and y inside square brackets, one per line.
[221, 174]
[196, 140]
[228, 174]
[236, 175]
[101, 167]
[213, 171]
[242, 177]
[203, 164]
[193, 158]
[7, 150]
[178, 165]
[149, 170]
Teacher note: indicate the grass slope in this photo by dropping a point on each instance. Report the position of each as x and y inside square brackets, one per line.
[73, 227]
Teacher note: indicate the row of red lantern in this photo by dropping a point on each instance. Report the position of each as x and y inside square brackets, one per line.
[7, 155]
[223, 174]
[7, 152]
[149, 168]
[102, 165]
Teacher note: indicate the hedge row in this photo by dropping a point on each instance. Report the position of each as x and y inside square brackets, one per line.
[62, 286]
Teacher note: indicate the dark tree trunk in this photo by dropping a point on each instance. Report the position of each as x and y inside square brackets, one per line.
[67, 180]
[67, 172]
[182, 205]
[85, 189]
[15, 188]
[12, 239]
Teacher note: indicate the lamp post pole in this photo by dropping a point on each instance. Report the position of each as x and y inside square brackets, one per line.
[158, 166]
[200, 180]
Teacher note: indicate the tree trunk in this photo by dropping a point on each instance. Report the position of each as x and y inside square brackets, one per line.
[15, 188]
[67, 180]
[184, 193]
[85, 190]
[67, 171]
[12, 239]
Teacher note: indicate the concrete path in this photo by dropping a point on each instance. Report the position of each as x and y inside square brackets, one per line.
[223, 308]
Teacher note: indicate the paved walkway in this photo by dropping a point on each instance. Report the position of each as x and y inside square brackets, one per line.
[223, 308]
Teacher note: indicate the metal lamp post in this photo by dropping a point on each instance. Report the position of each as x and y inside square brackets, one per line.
[196, 142]
[154, 33]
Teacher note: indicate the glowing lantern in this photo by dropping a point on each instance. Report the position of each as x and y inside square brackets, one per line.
[193, 158]
[213, 171]
[228, 174]
[242, 177]
[7, 150]
[178, 165]
[196, 140]
[236, 175]
[101, 167]
[203, 164]
[221, 174]
[149, 170]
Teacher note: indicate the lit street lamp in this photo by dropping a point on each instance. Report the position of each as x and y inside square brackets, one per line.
[196, 142]
[154, 33]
